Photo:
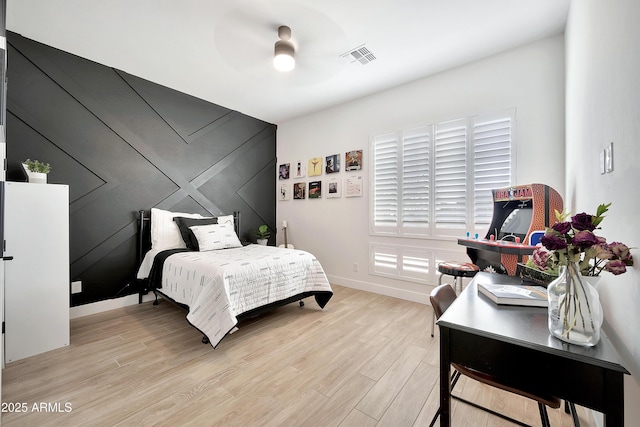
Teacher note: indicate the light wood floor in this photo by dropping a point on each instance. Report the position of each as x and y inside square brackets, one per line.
[365, 360]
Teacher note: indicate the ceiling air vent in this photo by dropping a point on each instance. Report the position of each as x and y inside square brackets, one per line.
[360, 54]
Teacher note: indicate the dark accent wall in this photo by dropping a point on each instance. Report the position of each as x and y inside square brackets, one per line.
[123, 144]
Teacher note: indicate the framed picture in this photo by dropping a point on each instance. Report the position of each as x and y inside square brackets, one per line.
[315, 166]
[315, 189]
[353, 186]
[284, 170]
[300, 170]
[285, 192]
[332, 164]
[299, 190]
[353, 160]
[333, 188]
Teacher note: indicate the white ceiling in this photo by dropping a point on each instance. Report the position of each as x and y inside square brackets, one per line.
[222, 50]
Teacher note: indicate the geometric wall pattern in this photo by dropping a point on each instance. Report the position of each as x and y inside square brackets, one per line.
[123, 144]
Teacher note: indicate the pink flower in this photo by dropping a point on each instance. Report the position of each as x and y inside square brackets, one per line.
[540, 258]
[621, 251]
[582, 221]
[584, 239]
[553, 242]
[616, 267]
[562, 227]
[602, 251]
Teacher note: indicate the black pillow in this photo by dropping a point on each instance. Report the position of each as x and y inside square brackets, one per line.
[187, 235]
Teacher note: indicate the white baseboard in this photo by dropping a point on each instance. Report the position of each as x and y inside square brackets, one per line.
[112, 304]
[106, 305]
[382, 289]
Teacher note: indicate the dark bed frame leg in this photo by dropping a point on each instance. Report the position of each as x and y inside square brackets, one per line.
[155, 294]
[205, 340]
[301, 303]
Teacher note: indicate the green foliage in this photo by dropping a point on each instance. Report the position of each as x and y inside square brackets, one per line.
[599, 214]
[37, 166]
[595, 219]
[263, 232]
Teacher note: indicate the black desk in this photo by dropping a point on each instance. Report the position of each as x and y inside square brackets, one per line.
[515, 343]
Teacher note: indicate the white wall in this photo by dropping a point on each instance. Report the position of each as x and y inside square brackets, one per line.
[530, 78]
[603, 106]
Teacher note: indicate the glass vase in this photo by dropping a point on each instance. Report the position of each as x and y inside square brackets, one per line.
[575, 313]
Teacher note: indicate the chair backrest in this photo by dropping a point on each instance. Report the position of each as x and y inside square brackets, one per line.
[441, 298]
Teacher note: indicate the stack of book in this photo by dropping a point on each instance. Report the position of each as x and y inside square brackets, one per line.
[515, 294]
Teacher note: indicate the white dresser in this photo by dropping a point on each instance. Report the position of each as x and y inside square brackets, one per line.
[36, 294]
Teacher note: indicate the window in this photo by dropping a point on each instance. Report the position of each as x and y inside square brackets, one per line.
[400, 262]
[435, 180]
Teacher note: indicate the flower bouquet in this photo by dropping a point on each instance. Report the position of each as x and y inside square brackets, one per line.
[572, 251]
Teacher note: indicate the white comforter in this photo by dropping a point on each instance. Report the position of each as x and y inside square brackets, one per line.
[219, 285]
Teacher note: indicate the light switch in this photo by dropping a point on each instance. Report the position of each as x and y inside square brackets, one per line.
[609, 158]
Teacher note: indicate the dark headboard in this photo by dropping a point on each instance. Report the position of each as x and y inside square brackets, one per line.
[144, 232]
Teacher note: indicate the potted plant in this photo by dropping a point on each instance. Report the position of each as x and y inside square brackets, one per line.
[263, 235]
[36, 171]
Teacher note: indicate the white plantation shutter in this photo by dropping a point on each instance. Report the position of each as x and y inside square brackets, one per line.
[436, 180]
[415, 181]
[450, 177]
[385, 260]
[400, 262]
[492, 162]
[400, 182]
[386, 183]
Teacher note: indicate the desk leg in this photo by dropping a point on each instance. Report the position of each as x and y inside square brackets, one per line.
[614, 399]
[445, 377]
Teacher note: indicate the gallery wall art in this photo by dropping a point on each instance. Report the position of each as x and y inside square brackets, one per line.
[338, 180]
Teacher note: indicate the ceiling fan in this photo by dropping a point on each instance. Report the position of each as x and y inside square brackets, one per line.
[247, 38]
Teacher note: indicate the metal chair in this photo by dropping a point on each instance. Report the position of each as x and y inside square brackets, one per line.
[441, 298]
[457, 270]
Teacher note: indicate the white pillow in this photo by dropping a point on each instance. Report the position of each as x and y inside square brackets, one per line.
[226, 219]
[215, 236]
[164, 231]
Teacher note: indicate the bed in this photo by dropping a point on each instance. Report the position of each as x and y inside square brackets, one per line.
[201, 264]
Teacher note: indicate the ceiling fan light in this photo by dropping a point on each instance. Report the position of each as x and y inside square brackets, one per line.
[284, 51]
[284, 59]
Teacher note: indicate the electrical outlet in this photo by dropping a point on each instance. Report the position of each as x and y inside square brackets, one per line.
[76, 287]
[355, 267]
